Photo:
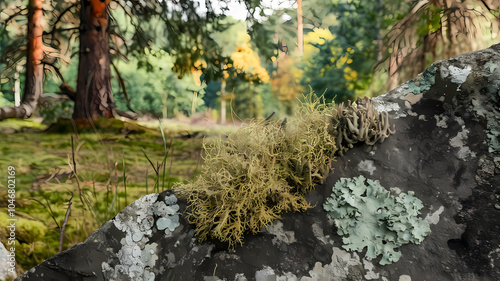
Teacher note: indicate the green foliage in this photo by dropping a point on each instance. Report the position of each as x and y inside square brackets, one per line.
[44, 180]
[374, 218]
[212, 90]
[52, 110]
[248, 102]
[260, 171]
[4, 101]
[429, 22]
[29, 232]
[342, 66]
[234, 35]
[157, 91]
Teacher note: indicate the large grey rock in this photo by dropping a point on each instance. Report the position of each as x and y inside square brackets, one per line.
[446, 149]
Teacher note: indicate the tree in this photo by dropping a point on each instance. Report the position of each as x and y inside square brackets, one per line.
[436, 29]
[181, 22]
[339, 50]
[94, 97]
[285, 82]
[34, 69]
[157, 91]
[238, 63]
[327, 66]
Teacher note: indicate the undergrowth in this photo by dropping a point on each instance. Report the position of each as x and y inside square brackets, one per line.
[66, 190]
[265, 168]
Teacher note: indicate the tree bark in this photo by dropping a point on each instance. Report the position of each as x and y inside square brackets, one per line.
[223, 102]
[300, 27]
[94, 98]
[33, 87]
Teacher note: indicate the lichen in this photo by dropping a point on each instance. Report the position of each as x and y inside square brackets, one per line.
[434, 217]
[372, 217]
[265, 274]
[265, 168]
[464, 152]
[367, 166]
[361, 123]
[137, 257]
[260, 171]
[457, 75]
[441, 121]
[281, 236]
[169, 214]
[423, 82]
[343, 266]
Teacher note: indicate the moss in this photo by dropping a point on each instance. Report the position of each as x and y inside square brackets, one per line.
[30, 239]
[264, 168]
[101, 125]
[44, 178]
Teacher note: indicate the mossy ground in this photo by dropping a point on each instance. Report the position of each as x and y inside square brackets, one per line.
[45, 183]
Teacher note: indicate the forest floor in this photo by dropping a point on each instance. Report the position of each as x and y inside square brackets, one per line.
[114, 167]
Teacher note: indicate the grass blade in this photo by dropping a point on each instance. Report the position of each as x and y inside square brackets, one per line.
[164, 166]
[125, 181]
[150, 162]
[163, 136]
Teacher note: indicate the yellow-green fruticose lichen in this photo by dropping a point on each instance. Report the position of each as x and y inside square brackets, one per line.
[372, 217]
[264, 169]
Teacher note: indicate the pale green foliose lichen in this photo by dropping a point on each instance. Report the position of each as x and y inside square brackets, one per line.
[370, 216]
[423, 81]
[169, 212]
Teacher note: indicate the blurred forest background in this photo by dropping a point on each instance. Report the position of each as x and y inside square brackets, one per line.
[191, 68]
[176, 59]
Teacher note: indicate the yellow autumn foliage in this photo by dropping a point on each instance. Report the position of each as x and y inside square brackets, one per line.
[248, 61]
[339, 58]
[318, 36]
[286, 79]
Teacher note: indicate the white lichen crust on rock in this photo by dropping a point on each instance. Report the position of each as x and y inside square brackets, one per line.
[138, 255]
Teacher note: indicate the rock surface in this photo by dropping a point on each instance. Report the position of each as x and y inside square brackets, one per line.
[446, 150]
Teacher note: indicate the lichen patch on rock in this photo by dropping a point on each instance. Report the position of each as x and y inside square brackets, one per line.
[370, 216]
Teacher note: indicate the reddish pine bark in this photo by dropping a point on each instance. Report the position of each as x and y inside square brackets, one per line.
[94, 98]
[34, 68]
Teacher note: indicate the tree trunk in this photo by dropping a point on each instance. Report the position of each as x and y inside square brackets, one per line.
[300, 27]
[223, 102]
[94, 98]
[33, 87]
[17, 86]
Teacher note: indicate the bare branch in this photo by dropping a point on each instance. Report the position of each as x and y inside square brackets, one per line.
[65, 222]
[55, 68]
[59, 18]
[11, 17]
[122, 84]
